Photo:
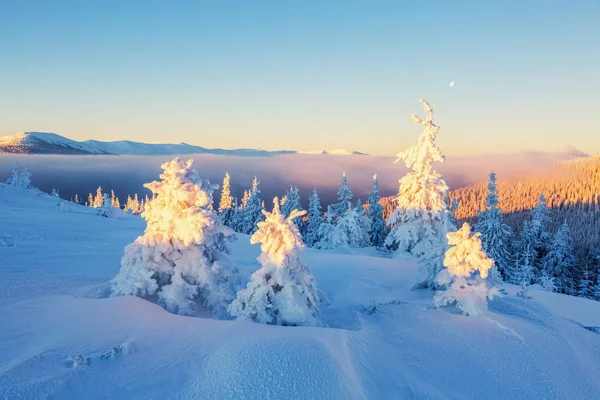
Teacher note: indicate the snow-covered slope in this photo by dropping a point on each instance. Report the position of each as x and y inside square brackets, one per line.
[62, 338]
[51, 143]
[334, 152]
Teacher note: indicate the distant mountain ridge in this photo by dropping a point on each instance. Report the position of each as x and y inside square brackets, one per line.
[51, 143]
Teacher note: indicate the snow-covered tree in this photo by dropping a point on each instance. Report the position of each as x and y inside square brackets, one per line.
[54, 193]
[452, 206]
[133, 205]
[183, 255]
[76, 200]
[283, 291]
[326, 229]
[315, 219]
[226, 203]
[465, 257]
[106, 209]
[99, 198]
[344, 197]
[291, 203]
[535, 233]
[560, 260]
[586, 284]
[375, 214]
[421, 219]
[351, 230]
[252, 210]
[114, 200]
[596, 293]
[496, 236]
[19, 178]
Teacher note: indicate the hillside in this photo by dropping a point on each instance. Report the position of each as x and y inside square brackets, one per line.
[61, 337]
[51, 143]
[572, 190]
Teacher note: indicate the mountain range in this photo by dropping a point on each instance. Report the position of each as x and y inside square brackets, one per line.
[51, 143]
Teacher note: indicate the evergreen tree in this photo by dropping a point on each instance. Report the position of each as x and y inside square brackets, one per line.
[106, 209]
[522, 270]
[351, 230]
[182, 259]
[375, 214]
[496, 236]
[226, 203]
[252, 212]
[291, 203]
[326, 230]
[19, 178]
[90, 202]
[344, 197]
[586, 284]
[452, 206]
[54, 193]
[283, 291]
[421, 219]
[536, 236]
[465, 257]
[315, 219]
[76, 198]
[560, 261]
[99, 198]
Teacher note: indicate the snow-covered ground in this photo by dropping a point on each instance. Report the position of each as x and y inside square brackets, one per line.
[61, 337]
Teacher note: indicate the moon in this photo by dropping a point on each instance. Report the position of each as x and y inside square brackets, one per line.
[452, 84]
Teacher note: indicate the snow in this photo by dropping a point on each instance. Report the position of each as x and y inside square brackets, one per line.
[62, 337]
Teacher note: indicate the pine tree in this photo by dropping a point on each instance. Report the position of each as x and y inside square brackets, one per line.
[106, 209]
[226, 202]
[315, 219]
[452, 206]
[375, 214]
[344, 197]
[421, 219]
[54, 193]
[293, 203]
[326, 230]
[496, 236]
[586, 284]
[76, 198]
[283, 291]
[19, 178]
[90, 202]
[234, 220]
[596, 294]
[560, 261]
[522, 270]
[351, 230]
[536, 235]
[252, 212]
[182, 258]
[99, 198]
[465, 257]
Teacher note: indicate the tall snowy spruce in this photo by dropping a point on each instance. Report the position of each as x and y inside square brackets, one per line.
[345, 195]
[462, 260]
[19, 178]
[326, 230]
[496, 236]
[283, 291]
[375, 214]
[183, 256]
[535, 234]
[351, 230]
[421, 219]
[226, 202]
[315, 219]
[560, 261]
[251, 212]
[292, 202]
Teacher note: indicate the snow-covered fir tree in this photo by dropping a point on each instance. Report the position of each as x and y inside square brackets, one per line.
[452, 206]
[496, 236]
[106, 209]
[99, 198]
[463, 258]
[586, 284]
[183, 255]
[375, 214]
[559, 261]
[522, 270]
[76, 200]
[326, 229]
[114, 200]
[54, 193]
[291, 203]
[535, 234]
[345, 195]
[351, 230]
[19, 178]
[252, 211]
[283, 291]
[420, 221]
[226, 202]
[315, 219]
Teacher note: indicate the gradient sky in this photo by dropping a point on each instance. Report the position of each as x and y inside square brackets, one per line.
[304, 75]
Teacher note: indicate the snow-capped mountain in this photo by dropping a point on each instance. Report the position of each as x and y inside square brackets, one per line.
[51, 143]
[334, 152]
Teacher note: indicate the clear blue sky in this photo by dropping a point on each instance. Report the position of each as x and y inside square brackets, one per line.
[306, 74]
